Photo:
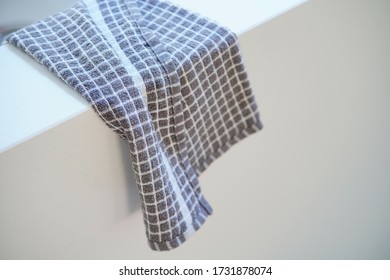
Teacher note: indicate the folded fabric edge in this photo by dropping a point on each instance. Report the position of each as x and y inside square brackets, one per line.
[247, 131]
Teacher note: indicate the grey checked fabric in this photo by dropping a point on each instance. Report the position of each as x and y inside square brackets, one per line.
[169, 82]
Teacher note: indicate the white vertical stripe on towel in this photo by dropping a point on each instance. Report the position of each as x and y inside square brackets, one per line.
[97, 17]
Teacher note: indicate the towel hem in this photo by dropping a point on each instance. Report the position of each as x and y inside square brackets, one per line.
[198, 221]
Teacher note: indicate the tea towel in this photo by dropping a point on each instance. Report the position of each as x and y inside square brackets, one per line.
[170, 82]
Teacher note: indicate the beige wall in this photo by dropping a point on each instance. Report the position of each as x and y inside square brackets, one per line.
[315, 183]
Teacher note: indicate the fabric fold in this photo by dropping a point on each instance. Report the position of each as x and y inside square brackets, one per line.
[170, 82]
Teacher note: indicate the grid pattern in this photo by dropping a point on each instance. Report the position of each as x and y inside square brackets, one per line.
[168, 81]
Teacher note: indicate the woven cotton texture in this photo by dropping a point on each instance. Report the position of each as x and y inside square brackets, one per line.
[169, 82]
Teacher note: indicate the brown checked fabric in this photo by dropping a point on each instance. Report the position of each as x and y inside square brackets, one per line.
[169, 82]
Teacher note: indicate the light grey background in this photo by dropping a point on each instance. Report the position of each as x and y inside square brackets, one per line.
[314, 184]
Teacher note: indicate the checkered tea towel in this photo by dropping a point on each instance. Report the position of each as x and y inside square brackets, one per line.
[169, 82]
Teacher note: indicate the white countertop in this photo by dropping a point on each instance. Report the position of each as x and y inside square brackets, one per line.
[34, 100]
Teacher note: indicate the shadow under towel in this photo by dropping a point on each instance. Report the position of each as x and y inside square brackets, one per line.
[169, 82]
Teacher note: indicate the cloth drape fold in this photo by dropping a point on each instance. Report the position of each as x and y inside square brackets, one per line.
[170, 82]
